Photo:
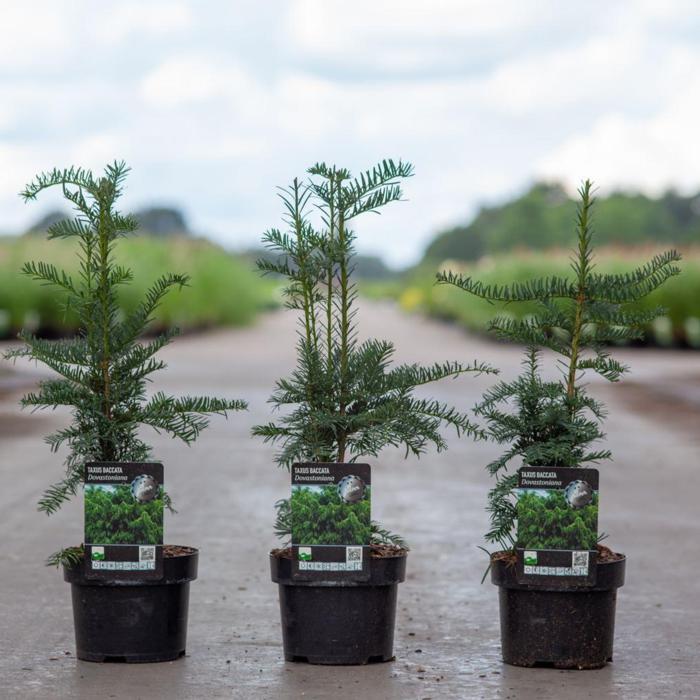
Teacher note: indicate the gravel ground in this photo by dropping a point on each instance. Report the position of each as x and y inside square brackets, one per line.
[447, 637]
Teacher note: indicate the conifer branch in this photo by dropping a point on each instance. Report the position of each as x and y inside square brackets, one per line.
[102, 372]
[344, 400]
[554, 423]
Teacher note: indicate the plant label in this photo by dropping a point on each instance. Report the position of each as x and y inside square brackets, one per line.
[123, 520]
[331, 521]
[557, 512]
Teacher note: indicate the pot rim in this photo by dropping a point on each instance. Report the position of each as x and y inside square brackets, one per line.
[610, 575]
[181, 568]
[384, 571]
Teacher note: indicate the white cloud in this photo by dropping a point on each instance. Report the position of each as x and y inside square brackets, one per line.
[593, 72]
[181, 80]
[197, 78]
[52, 36]
[98, 148]
[18, 164]
[650, 153]
[325, 27]
[32, 34]
[215, 104]
[117, 21]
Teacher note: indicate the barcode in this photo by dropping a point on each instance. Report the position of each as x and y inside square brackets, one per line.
[147, 553]
[353, 554]
[330, 566]
[124, 565]
[579, 566]
[579, 559]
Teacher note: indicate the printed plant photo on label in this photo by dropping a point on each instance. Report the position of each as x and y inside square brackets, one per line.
[332, 514]
[115, 515]
[552, 519]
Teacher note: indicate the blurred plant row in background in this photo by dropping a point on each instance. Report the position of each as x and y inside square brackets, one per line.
[527, 237]
[224, 288]
[680, 296]
[520, 239]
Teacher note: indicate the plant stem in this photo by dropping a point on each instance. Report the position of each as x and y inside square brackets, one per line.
[344, 330]
[303, 259]
[582, 268]
[104, 295]
[329, 277]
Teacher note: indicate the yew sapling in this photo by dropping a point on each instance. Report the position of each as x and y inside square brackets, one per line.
[345, 400]
[103, 371]
[554, 422]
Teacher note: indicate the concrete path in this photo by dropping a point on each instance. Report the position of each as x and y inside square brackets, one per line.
[447, 637]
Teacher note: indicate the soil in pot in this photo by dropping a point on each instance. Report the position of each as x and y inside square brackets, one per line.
[134, 621]
[570, 628]
[339, 622]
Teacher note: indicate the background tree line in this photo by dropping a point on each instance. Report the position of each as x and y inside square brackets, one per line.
[541, 218]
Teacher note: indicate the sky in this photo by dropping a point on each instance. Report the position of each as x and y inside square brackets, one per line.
[214, 103]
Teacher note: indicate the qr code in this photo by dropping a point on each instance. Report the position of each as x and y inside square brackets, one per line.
[353, 554]
[147, 553]
[579, 559]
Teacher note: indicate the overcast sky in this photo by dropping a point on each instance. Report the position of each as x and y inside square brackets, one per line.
[214, 103]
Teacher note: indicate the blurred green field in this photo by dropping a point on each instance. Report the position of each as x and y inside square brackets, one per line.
[680, 296]
[224, 289]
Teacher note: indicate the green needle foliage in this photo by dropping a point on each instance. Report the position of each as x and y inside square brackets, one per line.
[112, 516]
[344, 400]
[321, 517]
[103, 370]
[553, 524]
[554, 423]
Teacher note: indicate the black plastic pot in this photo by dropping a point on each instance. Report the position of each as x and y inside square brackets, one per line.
[339, 622]
[564, 628]
[133, 621]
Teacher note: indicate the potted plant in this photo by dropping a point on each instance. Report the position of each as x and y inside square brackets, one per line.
[553, 423]
[101, 376]
[344, 403]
